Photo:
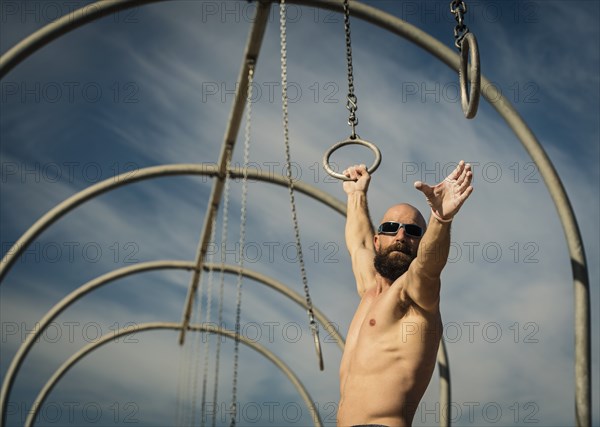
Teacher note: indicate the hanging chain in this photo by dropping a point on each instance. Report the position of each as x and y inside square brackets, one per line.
[466, 43]
[459, 8]
[352, 106]
[224, 227]
[314, 327]
[242, 239]
[352, 103]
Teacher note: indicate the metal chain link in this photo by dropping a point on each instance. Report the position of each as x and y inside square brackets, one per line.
[242, 241]
[352, 103]
[286, 138]
[459, 8]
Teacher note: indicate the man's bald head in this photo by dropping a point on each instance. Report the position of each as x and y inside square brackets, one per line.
[406, 214]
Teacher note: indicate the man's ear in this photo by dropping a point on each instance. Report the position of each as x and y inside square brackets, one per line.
[376, 241]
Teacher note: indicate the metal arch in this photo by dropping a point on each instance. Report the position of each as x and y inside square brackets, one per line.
[92, 285]
[64, 368]
[150, 172]
[61, 306]
[61, 26]
[504, 108]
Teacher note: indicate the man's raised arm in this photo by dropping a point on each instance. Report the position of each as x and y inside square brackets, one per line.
[445, 200]
[359, 230]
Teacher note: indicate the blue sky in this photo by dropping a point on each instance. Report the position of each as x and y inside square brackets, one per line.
[154, 86]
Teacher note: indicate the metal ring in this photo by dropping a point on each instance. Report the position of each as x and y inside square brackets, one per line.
[351, 141]
[469, 102]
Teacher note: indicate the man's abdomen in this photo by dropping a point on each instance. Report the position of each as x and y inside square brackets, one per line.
[387, 372]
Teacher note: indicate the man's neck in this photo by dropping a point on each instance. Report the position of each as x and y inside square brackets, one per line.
[381, 283]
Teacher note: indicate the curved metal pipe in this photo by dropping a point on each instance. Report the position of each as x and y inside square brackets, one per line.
[445, 390]
[61, 306]
[63, 25]
[96, 283]
[60, 372]
[150, 172]
[504, 108]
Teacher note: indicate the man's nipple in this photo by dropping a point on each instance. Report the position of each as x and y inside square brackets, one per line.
[372, 322]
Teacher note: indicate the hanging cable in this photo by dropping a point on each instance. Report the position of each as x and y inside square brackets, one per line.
[314, 327]
[242, 241]
[196, 351]
[181, 389]
[466, 43]
[188, 376]
[209, 287]
[352, 106]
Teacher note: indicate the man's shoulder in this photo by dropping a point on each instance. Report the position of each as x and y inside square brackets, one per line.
[368, 295]
[405, 303]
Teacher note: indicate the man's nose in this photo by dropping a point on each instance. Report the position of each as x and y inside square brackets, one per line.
[400, 236]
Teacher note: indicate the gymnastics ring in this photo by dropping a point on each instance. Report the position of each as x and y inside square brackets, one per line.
[469, 102]
[351, 141]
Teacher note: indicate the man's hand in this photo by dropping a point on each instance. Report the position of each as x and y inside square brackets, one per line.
[360, 179]
[447, 197]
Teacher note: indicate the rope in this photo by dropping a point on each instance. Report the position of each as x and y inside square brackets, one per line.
[242, 242]
[286, 138]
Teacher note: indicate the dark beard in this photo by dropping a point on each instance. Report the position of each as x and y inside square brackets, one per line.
[393, 265]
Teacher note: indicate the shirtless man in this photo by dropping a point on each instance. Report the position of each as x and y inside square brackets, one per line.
[393, 339]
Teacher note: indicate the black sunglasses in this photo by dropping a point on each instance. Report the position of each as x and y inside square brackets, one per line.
[391, 228]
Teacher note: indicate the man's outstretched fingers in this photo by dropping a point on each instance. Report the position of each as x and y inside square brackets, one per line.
[463, 175]
[465, 195]
[426, 189]
[466, 182]
[458, 170]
